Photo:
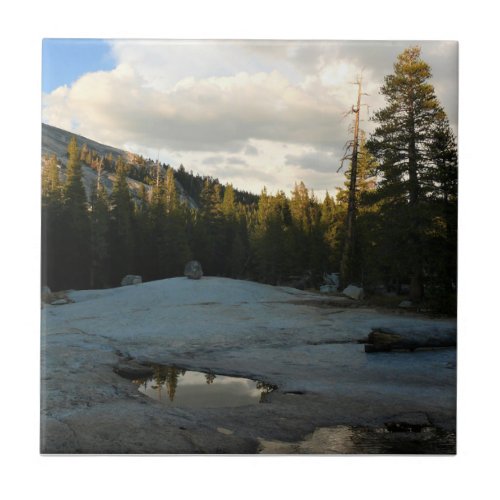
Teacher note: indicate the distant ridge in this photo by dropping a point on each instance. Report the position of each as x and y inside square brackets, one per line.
[55, 141]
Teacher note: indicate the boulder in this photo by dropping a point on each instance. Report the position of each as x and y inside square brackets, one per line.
[58, 298]
[328, 288]
[332, 279]
[46, 294]
[193, 270]
[59, 302]
[354, 292]
[405, 304]
[131, 279]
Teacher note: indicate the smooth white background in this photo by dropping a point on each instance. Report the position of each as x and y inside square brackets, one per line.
[473, 473]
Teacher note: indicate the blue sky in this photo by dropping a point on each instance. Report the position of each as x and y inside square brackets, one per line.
[65, 60]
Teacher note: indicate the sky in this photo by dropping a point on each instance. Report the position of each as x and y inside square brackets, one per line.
[251, 113]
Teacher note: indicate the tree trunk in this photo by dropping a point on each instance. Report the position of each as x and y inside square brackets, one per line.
[347, 263]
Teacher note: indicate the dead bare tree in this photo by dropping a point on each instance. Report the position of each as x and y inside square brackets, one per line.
[346, 264]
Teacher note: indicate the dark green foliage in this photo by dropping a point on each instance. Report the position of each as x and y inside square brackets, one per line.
[99, 237]
[272, 238]
[174, 251]
[65, 225]
[52, 209]
[75, 225]
[417, 187]
[209, 231]
[121, 236]
[158, 234]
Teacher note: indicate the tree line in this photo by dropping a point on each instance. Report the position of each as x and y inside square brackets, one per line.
[406, 214]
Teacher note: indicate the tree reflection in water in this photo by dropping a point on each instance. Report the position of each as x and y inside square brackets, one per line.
[265, 389]
[163, 376]
[229, 391]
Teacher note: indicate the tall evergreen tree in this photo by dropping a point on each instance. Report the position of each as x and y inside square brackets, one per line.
[52, 251]
[232, 246]
[51, 183]
[170, 192]
[401, 145]
[99, 228]
[300, 227]
[208, 238]
[175, 252]
[121, 232]
[75, 224]
[329, 224]
[441, 256]
[272, 238]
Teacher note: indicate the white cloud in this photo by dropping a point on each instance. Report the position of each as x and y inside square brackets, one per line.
[271, 112]
[318, 161]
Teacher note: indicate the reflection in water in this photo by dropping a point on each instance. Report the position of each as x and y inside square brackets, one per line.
[358, 440]
[177, 387]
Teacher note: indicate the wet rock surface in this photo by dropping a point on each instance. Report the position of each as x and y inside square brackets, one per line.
[325, 379]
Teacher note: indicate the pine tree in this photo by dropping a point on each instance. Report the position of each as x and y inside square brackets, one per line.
[121, 243]
[272, 240]
[400, 143]
[170, 192]
[441, 255]
[301, 210]
[175, 251]
[208, 238]
[145, 256]
[99, 228]
[51, 183]
[232, 244]
[84, 151]
[229, 202]
[52, 251]
[75, 224]
[330, 222]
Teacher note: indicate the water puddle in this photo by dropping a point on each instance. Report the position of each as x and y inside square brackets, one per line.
[390, 439]
[177, 387]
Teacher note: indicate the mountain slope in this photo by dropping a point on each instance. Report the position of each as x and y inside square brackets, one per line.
[55, 142]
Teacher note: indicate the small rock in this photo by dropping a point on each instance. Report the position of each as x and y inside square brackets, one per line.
[131, 279]
[405, 304]
[59, 302]
[193, 270]
[223, 430]
[354, 292]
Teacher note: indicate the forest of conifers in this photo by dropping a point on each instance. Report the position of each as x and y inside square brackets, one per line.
[405, 231]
